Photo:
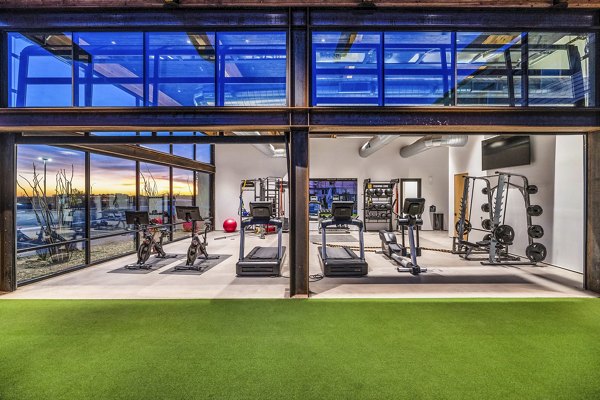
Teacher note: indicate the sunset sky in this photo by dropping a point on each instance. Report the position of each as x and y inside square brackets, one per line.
[109, 175]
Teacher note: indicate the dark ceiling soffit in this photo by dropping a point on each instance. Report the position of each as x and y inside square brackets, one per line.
[236, 18]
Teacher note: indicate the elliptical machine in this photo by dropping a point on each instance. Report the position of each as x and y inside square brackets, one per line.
[411, 219]
[148, 242]
[198, 244]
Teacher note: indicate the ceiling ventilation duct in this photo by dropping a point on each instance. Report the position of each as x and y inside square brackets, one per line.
[429, 142]
[375, 143]
[267, 149]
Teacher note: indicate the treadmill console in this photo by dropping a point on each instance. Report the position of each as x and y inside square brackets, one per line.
[413, 206]
[342, 210]
[261, 209]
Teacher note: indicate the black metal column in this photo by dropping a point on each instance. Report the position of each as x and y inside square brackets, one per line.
[592, 262]
[299, 229]
[8, 195]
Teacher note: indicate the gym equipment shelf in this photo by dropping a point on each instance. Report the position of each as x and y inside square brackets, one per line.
[379, 199]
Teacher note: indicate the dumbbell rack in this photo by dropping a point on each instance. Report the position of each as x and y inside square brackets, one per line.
[379, 199]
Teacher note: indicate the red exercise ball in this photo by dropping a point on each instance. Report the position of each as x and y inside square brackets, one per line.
[230, 225]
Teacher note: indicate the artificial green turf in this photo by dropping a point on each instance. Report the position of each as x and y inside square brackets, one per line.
[288, 349]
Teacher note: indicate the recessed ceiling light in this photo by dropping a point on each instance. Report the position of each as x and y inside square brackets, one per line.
[113, 42]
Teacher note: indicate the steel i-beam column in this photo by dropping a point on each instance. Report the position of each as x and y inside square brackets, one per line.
[592, 262]
[8, 193]
[299, 213]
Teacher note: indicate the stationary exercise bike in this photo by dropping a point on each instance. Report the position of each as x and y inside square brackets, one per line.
[411, 219]
[148, 241]
[198, 244]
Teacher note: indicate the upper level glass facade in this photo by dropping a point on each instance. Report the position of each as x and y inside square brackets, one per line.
[136, 69]
[348, 68]
[452, 68]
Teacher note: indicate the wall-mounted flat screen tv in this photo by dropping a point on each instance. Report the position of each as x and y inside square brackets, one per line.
[505, 151]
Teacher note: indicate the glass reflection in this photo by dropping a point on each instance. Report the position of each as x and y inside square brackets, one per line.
[181, 68]
[346, 68]
[39, 69]
[489, 68]
[109, 68]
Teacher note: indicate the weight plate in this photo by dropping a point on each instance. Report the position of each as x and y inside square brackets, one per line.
[487, 237]
[467, 226]
[532, 189]
[535, 210]
[486, 224]
[536, 252]
[504, 234]
[485, 207]
[535, 231]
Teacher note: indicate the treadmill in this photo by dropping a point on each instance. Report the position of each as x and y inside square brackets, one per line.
[342, 261]
[261, 261]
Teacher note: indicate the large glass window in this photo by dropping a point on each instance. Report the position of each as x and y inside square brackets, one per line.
[489, 68]
[109, 68]
[252, 68]
[39, 69]
[181, 69]
[418, 68]
[559, 69]
[184, 150]
[50, 210]
[183, 195]
[155, 192]
[163, 147]
[346, 68]
[112, 192]
[203, 193]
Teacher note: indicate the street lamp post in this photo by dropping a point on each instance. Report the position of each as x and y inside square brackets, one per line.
[46, 160]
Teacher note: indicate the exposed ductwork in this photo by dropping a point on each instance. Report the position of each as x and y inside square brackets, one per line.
[429, 142]
[267, 149]
[375, 143]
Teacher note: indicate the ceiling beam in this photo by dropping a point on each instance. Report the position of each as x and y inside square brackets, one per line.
[62, 4]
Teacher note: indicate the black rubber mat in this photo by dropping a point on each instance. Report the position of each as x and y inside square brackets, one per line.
[204, 265]
[153, 265]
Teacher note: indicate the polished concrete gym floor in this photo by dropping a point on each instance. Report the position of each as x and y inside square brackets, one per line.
[447, 276]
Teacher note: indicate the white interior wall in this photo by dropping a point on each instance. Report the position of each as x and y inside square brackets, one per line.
[233, 163]
[569, 203]
[338, 158]
[562, 218]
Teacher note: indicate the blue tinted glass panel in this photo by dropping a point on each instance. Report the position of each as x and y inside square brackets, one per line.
[559, 70]
[346, 68]
[39, 69]
[418, 68]
[109, 68]
[184, 150]
[181, 69]
[252, 68]
[489, 68]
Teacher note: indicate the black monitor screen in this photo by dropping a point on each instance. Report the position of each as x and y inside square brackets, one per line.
[505, 151]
